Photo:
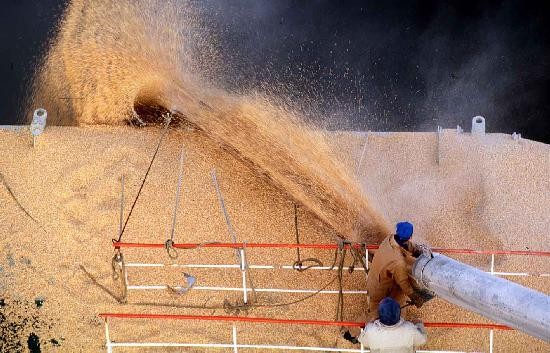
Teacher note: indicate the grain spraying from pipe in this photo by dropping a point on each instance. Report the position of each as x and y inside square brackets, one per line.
[108, 56]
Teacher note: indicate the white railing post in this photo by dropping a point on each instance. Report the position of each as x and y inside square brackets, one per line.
[235, 350]
[243, 272]
[107, 337]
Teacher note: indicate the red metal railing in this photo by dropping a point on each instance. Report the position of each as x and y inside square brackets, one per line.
[288, 321]
[320, 246]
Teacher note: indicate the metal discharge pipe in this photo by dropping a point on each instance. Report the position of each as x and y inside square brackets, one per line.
[495, 298]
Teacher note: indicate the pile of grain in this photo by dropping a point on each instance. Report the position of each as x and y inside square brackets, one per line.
[70, 184]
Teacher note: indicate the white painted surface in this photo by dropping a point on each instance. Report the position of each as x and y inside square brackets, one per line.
[252, 346]
[239, 289]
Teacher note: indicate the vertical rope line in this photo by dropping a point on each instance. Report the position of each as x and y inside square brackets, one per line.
[168, 120]
[121, 206]
[178, 192]
[298, 260]
[224, 211]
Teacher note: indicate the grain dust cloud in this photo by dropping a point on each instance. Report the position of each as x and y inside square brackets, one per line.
[111, 59]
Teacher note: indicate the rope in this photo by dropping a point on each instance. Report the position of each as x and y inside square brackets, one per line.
[168, 119]
[232, 308]
[180, 306]
[170, 250]
[5, 183]
[358, 256]
[224, 211]
[169, 244]
[119, 272]
[249, 277]
[340, 301]
[238, 307]
[341, 251]
[299, 263]
[121, 205]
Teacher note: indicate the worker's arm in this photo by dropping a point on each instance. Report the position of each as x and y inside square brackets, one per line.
[419, 249]
[363, 338]
[414, 249]
[401, 277]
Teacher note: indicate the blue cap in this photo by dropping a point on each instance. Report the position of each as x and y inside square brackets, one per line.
[389, 311]
[404, 231]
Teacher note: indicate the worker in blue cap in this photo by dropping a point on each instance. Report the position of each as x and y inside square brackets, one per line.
[389, 274]
[389, 332]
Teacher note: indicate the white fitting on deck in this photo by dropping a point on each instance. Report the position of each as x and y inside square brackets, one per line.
[478, 125]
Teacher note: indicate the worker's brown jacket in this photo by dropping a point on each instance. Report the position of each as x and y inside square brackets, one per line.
[390, 269]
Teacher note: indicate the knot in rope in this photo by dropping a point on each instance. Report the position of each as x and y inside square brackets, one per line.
[119, 273]
[235, 308]
[170, 250]
[117, 264]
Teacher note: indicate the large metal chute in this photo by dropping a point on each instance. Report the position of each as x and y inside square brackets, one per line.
[493, 297]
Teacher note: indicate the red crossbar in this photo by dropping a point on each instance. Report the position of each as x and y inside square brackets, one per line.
[241, 245]
[321, 246]
[493, 252]
[288, 321]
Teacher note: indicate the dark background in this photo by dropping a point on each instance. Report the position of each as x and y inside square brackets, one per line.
[379, 65]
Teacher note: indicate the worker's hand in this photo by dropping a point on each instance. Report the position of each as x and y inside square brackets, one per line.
[348, 337]
[421, 296]
[423, 249]
[416, 299]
